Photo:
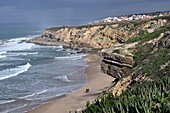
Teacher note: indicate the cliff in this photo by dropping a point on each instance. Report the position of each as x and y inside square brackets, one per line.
[138, 60]
[117, 64]
[97, 36]
[141, 67]
[119, 60]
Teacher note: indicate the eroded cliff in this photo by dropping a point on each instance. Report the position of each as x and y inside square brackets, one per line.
[145, 59]
[97, 36]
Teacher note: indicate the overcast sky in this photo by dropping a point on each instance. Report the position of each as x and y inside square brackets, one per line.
[73, 12]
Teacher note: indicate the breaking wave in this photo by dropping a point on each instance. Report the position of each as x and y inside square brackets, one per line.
[73, 57]
[63, 78]
[31, 95]
[8, 73]
[6, 101]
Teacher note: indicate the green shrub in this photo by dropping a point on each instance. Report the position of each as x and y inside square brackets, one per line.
[143, 37]
[150, 97]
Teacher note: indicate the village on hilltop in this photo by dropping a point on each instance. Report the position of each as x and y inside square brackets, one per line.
[134, 17]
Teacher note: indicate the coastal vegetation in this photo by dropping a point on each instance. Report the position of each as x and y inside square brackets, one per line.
[143, 36]
[148, 95]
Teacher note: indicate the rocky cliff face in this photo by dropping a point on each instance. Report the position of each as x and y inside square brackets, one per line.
[116, 65]
[148, 79]
[117, 61]
[143, 60]
[97, 36]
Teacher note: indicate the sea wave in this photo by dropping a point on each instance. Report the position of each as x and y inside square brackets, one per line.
[8, 73]
[27, 96]
[10, 46]
[43, 91]
[75, 71]
[62, 78]
[16, 44]
[2, 56]
[6, 101]
[72, 57]
[59, 48]
[2, 52]
[22, 38]
[44, 98]
[1, 42]
[31, 95]
[12, 110]
[22, 53]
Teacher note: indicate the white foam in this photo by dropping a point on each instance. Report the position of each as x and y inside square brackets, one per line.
[9, 111]
[14, 59]
[59, 50]
[75, 71]
[46, 97]
[2, 52]
[22, 38]
[2, 56]
[31, 95]
[8, 73]
[6, 101]
[60, 47]
[22, 53]
[72, 57]
[63, 78]
[41, 92]
[16, 44]
[27, 96]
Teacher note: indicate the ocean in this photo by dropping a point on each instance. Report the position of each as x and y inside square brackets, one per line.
[31, 75]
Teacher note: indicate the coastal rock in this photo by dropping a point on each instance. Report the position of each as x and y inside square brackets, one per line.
[116, 65]
[97, 36]
[117, 61]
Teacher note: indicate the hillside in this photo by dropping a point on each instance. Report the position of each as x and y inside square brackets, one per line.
[100, 35]
[136, 53]
[142, 69]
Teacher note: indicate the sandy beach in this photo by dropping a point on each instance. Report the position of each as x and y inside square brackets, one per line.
[96, 83]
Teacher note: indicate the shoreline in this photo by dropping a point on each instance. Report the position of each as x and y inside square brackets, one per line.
[76, 100]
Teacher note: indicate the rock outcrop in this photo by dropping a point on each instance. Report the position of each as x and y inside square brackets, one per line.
[117, 61]
[116, 65]
[96, 36]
